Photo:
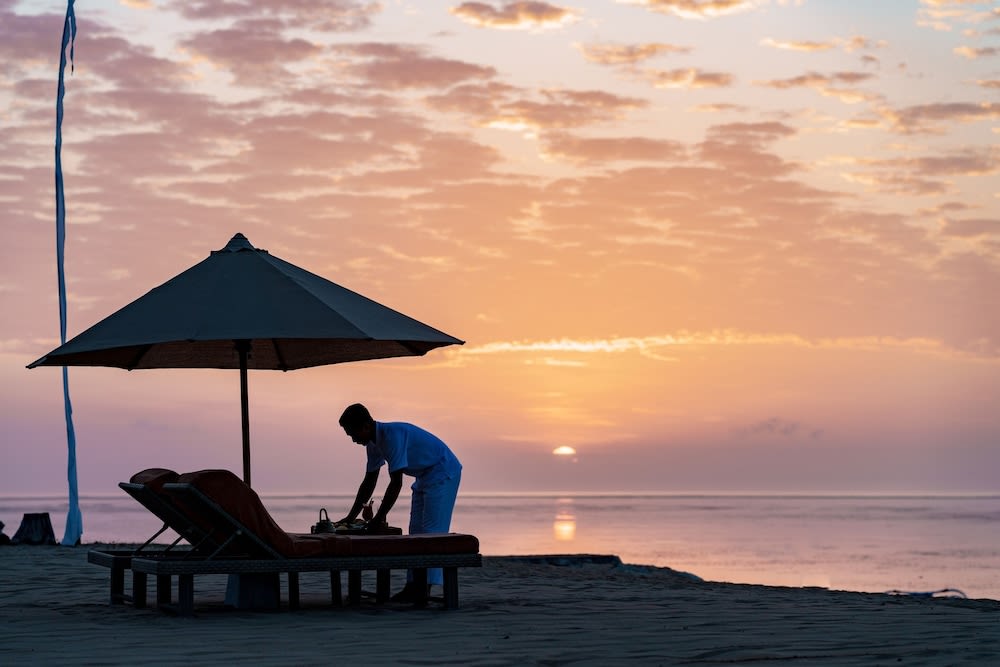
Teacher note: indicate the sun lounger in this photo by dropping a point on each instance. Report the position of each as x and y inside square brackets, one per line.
[196, 537]
[232, 513]
[146, 488]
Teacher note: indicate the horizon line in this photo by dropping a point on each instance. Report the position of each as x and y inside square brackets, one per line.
[538, 493]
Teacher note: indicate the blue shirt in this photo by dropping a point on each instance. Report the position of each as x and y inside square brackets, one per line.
[413, 451]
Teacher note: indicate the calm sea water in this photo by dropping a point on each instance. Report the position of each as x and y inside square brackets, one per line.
[872, 544]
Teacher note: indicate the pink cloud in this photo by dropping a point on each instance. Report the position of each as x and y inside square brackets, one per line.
[323, 15]
[973, 227]
[253, 51]
[929, 118]
[476, 99]
[395, 67]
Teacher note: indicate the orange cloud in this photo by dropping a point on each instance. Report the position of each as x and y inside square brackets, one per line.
[866, 123]
[849, 45]
[899, 184]
[857, 43]
[828, 85]
[514, 15]
[604, 150]
[694, 9]
[974, 53]
[722, 107]
[942, 14]
[560, 109]
[621, 54]
[650, 346]
[799, 46]
[688, 78]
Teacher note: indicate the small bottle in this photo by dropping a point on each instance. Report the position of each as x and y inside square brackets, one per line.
[367, 512]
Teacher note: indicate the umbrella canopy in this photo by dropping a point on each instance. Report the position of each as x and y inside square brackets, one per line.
[244, 308]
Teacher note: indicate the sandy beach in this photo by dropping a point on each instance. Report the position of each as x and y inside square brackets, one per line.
[54, 609]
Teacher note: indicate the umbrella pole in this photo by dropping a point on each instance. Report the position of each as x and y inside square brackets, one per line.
[243, 347]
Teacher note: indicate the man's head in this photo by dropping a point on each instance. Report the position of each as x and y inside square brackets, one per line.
[358, 424]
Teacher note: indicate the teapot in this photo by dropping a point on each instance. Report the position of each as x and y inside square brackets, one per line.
[324, 525]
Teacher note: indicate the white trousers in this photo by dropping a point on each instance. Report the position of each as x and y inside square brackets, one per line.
[430, 512]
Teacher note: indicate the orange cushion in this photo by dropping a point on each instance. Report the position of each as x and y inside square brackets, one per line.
[310, 545]
[242, 503]
[154, 478]
[413, 545]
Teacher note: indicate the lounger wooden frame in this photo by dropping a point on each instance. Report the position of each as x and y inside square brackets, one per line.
[199, 540]
[229, 535]
[119, 561]
[185, 570]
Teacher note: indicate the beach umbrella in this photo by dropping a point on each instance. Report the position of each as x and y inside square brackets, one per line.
[244, 308]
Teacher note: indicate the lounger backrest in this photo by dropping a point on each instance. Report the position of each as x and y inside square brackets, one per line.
[154, 478]
[165, 511]
[232, 505]
[146, 487]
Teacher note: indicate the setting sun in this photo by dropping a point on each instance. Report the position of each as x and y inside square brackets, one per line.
[564, 451]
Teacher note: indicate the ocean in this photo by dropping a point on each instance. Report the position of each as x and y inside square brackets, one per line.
[907, 543]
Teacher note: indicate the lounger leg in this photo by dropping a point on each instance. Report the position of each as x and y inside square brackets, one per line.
[420, 582]
[163, 591]
[185, 594]
[353, 586]
[117, 582]
[381, 585]
[451, 588]
[335, 595]
[139, 590]
[293, 590]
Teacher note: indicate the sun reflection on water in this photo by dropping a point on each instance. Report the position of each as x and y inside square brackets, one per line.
[564, 525]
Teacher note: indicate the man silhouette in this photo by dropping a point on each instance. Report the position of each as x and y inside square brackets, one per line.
[410, 450]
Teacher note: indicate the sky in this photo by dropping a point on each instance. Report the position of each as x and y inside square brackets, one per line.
[690, 245]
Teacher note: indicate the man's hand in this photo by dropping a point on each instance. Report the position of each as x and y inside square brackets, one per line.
[376, 524]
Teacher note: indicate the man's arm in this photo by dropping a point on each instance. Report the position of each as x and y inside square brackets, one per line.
[389, 499]
[365, 492]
